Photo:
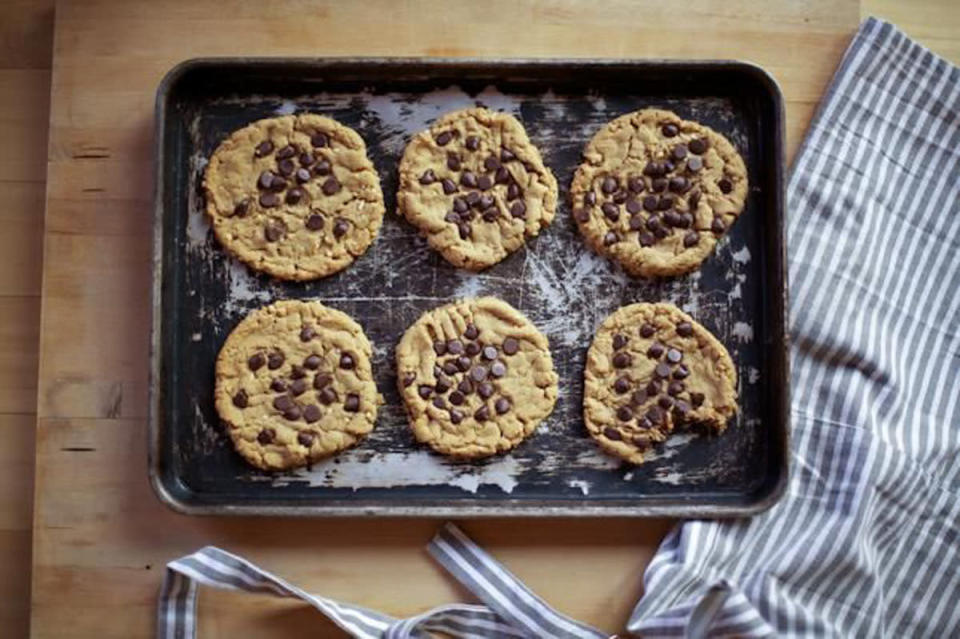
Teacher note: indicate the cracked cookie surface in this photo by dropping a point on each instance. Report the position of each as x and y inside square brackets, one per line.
[294, 384]
[650, 368]
[476, 377]
[294, 196]
[476, 187]
[655, 192]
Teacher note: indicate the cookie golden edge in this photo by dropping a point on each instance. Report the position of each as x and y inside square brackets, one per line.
[525, 150]
[692, 258]
[289, 454]
[291, 273]
[715, 421]
[408, 347]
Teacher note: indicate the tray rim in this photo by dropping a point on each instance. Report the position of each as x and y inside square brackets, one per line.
[577, 508]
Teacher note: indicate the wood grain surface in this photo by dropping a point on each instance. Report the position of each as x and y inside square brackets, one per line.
[101, 537]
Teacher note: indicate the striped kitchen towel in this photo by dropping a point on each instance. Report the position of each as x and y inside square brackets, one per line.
[867, 541]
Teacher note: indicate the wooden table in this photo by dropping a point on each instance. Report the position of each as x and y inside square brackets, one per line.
[100, 536]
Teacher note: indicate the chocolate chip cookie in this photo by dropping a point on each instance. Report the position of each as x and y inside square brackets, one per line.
[656, 192]
[294, 196]
[476, 187]
[294, 384]
[476, 377]
[649, 369]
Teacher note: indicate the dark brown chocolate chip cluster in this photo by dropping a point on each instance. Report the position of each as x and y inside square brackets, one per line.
[467, 373]
[658, 202]
[650, 402]
[284, 183]
[473, 191]
[300, 392]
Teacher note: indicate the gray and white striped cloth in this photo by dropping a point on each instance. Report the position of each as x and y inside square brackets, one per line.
[867, 541]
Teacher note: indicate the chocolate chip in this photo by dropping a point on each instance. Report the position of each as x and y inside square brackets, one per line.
[269, 200]
[682, 407]
[452, 217]
[634, 206]
[482, 414]
[240, 399]
[322, 381]
[463, 363]
[655, 351]
[352, 403]
[665, 402]
[717, 226]
[650, 202]
[624, 414]
[307, 333]
[619, 341]
[311, 413]
[330, 186]
[622, 385]
[242, 207]
[662, 370]
[428, 177]
[297, 372]
[610, 238]
[675, 388]
[684, 329]
[456, 416]
[647, 330]
[471, 332]
[638, 398]
[665, 203]
[698, 146]
[485, 390]
[303, 175]
[282, 403]
[457, 398]
[444, 138]
[315, 222]
[292, 414]
[464, 230]
[468, 179]
[478, 373]
[622, 360]
[322, 168]
[454, 347]
[669, 130]
[465, 386]
[502, 405]
[486, 201]
[673, 218]
[513, 192]
[655, 415]
[450, 367]
[484, 182]
[498, 369]
[327, 396]
[340, 227]
[681, 372]
[659, 185]
[489, 352]
[491, 163]
[686, 220]
[307, 159]
[318, 140]
[653, 169]
[298, 387]
[694, 163]
[448, 186]
[424, 391]
[472, 143]
[443, 384]
[635, 185]
[661, 231]
[636, 222]
[581, 215]
[286, 167]
[609, 184]
[697, 399]
[679, 184]
[473, 199]
[272, 232]
[347, 362]
[646, 239]
[294, 195]
[518, 209]
[275, 360]
[691, 239]
[278, 386]
[439, 402]
[472, 349]
[453, 162]
[256, 361]
[611, 210]
[652, 387]
[502, 176]
[266, 436]
[725, 185]
[460, 205]
[263, 149]
[612, 433]
[511, 346]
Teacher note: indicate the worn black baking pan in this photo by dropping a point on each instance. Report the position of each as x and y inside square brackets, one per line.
[200, 293]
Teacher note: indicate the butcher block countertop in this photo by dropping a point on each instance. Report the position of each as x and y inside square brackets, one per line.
[75, 284]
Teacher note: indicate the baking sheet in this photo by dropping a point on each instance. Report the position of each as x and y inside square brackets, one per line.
[564, 288]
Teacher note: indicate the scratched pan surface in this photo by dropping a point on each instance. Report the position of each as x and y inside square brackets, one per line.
[200, 293]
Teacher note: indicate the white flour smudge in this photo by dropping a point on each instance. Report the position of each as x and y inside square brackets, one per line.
[742, 256]
[753, 375]
[742, 332]
[287, 107]
[584, 486]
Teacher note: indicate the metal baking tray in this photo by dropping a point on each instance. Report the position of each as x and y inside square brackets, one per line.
[200, 293]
